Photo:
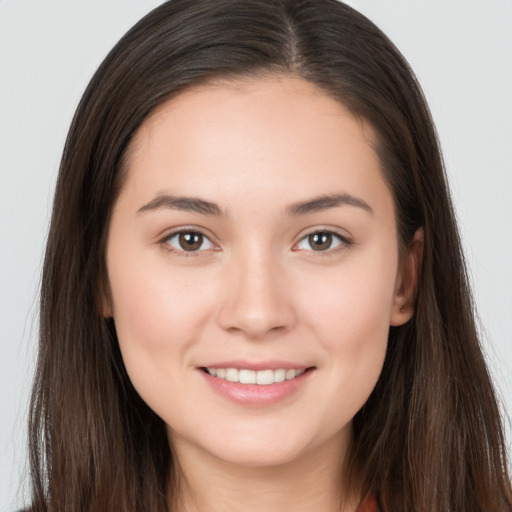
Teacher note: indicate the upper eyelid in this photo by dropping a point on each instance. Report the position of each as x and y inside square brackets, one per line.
[343, 234]
[169, 233]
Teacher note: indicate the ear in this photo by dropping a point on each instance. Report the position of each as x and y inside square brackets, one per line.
[407, 281]
[106, 309]
[104, 299]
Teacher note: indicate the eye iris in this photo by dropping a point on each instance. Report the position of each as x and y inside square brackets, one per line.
[190, 241]
[320, 241]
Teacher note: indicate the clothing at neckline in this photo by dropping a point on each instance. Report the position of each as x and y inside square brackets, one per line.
[368, 505]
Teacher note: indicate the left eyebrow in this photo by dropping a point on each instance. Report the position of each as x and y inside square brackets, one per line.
[325, 202]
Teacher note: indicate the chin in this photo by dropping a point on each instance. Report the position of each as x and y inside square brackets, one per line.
[260, 456]
[270, 445]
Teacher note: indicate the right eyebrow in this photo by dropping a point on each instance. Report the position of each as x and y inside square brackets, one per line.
[190, 204]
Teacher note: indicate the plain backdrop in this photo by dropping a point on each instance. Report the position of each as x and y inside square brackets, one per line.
[461, 51]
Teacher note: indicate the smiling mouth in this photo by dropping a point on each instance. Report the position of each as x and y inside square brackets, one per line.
[261, 377]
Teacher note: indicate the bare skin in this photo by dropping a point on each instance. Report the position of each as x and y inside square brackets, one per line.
[255, 230]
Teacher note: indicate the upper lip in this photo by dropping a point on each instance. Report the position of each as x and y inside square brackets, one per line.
[257, 365]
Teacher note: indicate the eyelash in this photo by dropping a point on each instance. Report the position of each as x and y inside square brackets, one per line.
[164, 242]
[343, 243]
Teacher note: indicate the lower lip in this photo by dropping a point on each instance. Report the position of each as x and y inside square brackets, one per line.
[254, 394]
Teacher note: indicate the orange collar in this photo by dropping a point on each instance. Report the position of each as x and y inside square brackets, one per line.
[368, 505]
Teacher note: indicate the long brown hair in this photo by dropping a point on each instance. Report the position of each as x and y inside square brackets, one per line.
[428, 439]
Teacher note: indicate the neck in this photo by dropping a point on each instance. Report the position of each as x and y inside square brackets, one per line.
[312, 482]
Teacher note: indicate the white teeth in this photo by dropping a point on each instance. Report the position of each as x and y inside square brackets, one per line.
[261, 377]
[265, 377]
[279, 375]
[247, 376]
[232, 375]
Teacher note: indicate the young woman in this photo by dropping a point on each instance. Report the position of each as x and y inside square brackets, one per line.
[254, 296]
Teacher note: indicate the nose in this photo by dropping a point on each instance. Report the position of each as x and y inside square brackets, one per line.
[256, 300]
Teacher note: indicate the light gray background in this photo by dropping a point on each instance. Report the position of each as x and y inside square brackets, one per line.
[461, 51]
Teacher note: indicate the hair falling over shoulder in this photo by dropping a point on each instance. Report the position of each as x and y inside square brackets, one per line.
[429, 438]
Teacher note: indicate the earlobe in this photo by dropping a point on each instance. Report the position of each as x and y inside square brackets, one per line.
[407, 281]
[106, 310]
[104, 300]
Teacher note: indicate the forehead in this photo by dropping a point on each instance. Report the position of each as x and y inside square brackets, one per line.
[274, 100]
[263, 135]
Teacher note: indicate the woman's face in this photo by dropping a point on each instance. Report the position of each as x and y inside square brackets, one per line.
[254, 240]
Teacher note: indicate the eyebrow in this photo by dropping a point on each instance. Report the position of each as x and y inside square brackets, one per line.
[325, 202]
[191, 204]
[203, 207]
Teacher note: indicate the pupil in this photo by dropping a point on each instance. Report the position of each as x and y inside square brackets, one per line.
[191, 241]
[320, 241]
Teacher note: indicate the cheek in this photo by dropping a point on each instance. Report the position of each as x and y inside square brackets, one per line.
[149, 295]
[157, 318]
[349, 310]
[354, 312]
[354, 298]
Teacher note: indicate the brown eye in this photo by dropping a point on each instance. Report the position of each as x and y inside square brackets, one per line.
[322, 241]
[189, 241]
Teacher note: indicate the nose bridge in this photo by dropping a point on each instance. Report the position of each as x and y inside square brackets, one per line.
[255, 301]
